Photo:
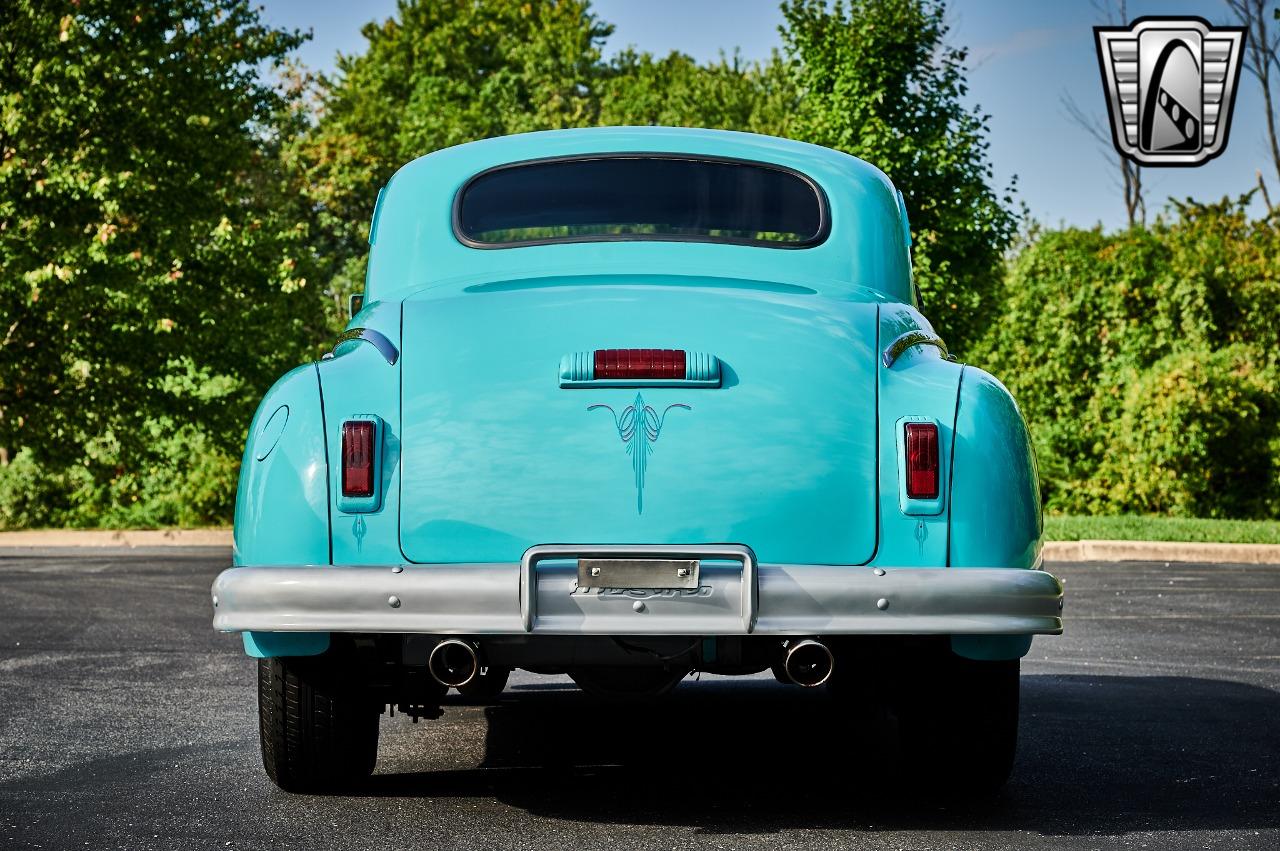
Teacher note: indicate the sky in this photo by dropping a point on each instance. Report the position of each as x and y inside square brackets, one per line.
[1024, 58]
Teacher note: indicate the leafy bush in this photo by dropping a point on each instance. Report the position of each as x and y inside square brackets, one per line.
[150, 302]
[1196, 437]
[30, 495]
[187, 481]
[1146, 364]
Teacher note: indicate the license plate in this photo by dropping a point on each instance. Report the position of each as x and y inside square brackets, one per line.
[637, 573]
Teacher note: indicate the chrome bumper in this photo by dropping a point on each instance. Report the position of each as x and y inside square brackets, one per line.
[540, 595]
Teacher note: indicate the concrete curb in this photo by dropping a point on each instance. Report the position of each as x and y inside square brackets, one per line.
[1161, 551]
[117, 538]
[1053, 550]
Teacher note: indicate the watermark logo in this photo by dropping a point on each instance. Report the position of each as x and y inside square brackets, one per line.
[1170, 85]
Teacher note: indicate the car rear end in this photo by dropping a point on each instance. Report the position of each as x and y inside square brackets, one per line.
[669, 439]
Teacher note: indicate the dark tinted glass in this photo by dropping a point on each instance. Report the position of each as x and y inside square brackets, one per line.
[659, 198]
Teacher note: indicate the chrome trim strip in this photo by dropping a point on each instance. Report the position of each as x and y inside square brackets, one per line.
[912, 338]
[520, 599]
[379, 340]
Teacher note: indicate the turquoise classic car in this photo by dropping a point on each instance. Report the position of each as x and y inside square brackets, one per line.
[626, 404]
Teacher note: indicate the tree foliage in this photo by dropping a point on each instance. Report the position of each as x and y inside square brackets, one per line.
[176, 231]
[436, 74]
[676, 91]
[152, 263]
[874, 78]
[1146, 362]
[877, 79]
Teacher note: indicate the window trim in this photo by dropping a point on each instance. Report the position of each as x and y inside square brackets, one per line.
[819, 237]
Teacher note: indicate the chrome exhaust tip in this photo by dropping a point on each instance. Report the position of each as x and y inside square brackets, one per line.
[808, 663]
[454, 662]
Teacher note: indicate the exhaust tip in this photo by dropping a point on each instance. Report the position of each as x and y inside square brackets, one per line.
[453, 663]
[808, 663]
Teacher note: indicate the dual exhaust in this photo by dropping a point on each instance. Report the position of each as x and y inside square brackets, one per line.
[806, 662]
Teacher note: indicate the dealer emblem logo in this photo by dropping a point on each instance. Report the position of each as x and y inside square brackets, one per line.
[1170, 85]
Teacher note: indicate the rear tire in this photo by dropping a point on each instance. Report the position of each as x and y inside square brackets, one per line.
[318, 734]
[958, 725]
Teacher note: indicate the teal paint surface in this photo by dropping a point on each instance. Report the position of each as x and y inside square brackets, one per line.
[991, 648]
[282, 505]
[415, 248]
[267, 645]
[920, 385]
[994, 480]
[497, 457]
[794, 453]
[358, 382]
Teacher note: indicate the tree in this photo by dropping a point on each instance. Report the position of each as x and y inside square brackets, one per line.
[1147, 363]
[152, 268]
[1130, 173]
[1135, 205]
[676, 91]
[439, 73]
[1261, 57]
[877, 79]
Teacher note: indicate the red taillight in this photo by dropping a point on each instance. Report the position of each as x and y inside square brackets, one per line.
[639, 363]
[357, 458]
[922, 461]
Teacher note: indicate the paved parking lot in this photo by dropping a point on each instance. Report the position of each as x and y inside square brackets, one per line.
[125, 722]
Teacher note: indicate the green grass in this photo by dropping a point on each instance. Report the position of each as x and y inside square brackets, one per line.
[1138, 528]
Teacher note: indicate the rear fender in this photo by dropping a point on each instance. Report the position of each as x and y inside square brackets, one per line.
[282, 507]
[996, 520]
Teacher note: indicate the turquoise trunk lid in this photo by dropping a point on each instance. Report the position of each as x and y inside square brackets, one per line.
[496, 456]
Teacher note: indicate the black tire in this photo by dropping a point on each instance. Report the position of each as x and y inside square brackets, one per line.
[317, 735]
[486, 685]
[958, 725]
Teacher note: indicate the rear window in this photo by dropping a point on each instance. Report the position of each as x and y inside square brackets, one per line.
[630, 197]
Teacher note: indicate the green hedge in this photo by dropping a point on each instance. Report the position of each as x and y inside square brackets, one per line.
[186, 482]
[150, 304]
[1145, 362]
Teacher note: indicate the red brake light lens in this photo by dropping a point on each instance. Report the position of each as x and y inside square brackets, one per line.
[639, 363]
[357, 458]
[922, 461]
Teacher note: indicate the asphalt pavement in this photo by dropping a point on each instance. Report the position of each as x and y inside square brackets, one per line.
[126, 722]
